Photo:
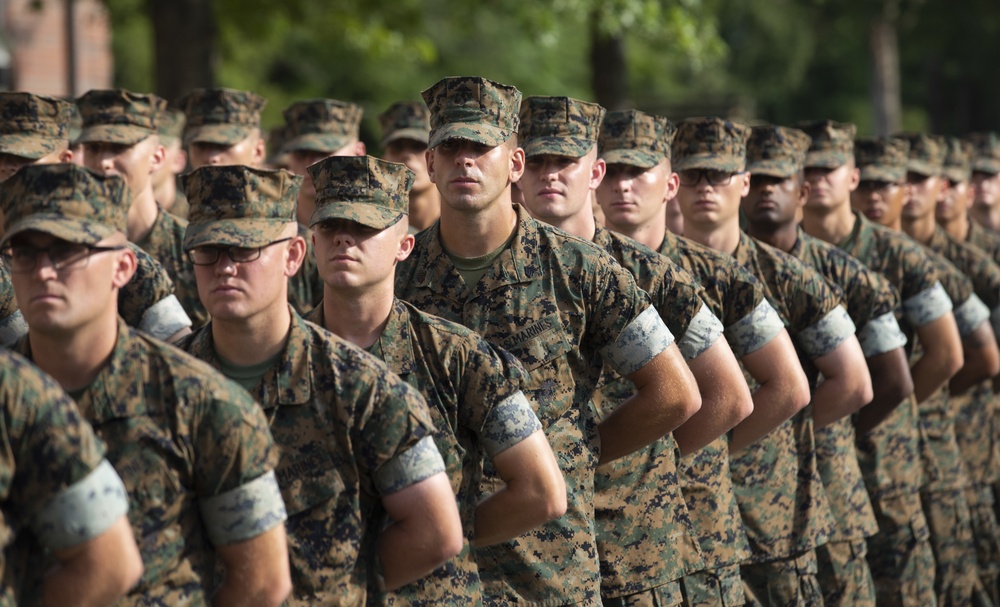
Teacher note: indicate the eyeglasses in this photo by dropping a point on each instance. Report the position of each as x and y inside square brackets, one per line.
[692, 177]
[209, 254]
[62, 255]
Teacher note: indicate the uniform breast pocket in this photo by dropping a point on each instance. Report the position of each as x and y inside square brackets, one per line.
[308, 478]
[155, 491]
[542, 348]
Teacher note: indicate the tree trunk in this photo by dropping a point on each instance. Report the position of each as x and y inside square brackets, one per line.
[184, 32]
[886, 101]
[608, 69]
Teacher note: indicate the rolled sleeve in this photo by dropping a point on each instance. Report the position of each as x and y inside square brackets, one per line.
[419, 462]
[164, 318]
[971, 314]
[12, 328]
[244, 512]
[703, 331]
[83, 510]
[511, 421]
[755, 330]
[927, 306]
[880, 335]
[823, 337]
[640, 342]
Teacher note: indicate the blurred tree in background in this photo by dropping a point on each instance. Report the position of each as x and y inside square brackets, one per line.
[883, 64]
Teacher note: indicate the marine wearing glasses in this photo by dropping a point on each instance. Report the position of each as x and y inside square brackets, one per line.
[208, 255]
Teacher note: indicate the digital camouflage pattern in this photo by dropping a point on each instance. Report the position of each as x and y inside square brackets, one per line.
[54, 483]
[778, 488]
[714, 587]
[118, 116]
[949, 521]
[171, 126]
[405, 120]
[710, 143]
[474, 397]
[147, 302]
[472, 108]
[900, 554]
[238, 205]
[645, 537]
[363, 189]
[343, 424]
[790, 582]
[831, 145]
[844, 575]
[776, 151]
[181, 436]
[33, 126]
[305, 287]
[986, 152]
[64, 200]
[221, 116]
[882, 159]
[12, 325]
[320, 125]
[737, 299]
[635, 138]
[560, 126]
[958, 160]
[165, 244]
[562, 307]
[926, 155]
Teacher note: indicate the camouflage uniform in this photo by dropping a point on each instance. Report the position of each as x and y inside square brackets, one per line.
[737, 299]
[349, 431]
[171, 128]
[473, 391]
[34, 126]
[125, 118]
[532, 302]
[899, 555]
[844, 575]
[946, 476]
[645, 540]
[56, 484]
[193, 450]
[322, 125]
[405, 120]
[778, 489]
[12, 325]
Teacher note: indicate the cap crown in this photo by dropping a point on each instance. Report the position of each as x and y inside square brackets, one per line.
[473, 108]
[365, 189]
[405, 120]
[710, 143]
[832, 142]
[882, 159]
[240, 192]
[777, 151]
[926, 156]
[119, 107]
[559, 125]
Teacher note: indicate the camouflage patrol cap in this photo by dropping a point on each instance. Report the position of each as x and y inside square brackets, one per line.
[635, 138]
[832, 143]
[321, 125]
[237, 205]
[171, 125]
[32, 126]
[405, 120]
[118, 116]
[882, 159]
[958, 160]
[368, 190]
[472, 108]
[219, 115]
[711, 143]
[275, 141]
[986, 152]
[65, 200]
[560, 126]
[776, 151]
[926, 155]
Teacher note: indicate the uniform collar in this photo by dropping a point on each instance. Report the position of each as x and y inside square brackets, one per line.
[394, 345]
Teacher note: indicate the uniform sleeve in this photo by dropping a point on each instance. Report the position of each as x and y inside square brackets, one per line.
[234, 462]
[394, 436]
[822, 337]
[970, 314]
[164, 318]
[12, 328]
[926, 306]
[61, 484]
[880, 335]
[147, 302]
[753, 331]
[684, 312]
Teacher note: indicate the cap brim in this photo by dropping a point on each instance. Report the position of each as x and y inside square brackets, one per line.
[219, 134]
[113, 133]
[315, 142]
[922, 168]
[80, 231]
[989, 166]
[368, 215]
[957, 174]
[826, 160]
[421, 135]
[877, 173]
[32, 147]
[570, 147]
[771, 168]
[709, 161]
[636, 158]
[477, 132]
[234, 232]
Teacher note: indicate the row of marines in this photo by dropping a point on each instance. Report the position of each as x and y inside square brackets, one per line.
[519, 404]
